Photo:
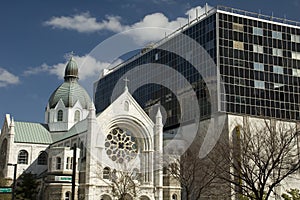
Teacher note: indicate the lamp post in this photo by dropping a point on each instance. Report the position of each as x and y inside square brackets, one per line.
[74, 172]
[14, 181]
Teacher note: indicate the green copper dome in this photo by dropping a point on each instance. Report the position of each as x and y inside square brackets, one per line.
[70, 91]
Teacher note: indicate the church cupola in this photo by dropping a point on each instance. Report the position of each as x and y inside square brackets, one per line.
[69, 103]
[71, 71]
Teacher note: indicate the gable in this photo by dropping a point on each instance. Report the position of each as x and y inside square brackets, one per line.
[125, 106]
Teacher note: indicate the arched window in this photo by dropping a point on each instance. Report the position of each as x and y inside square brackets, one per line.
[3, 150]
[135, 174]
[126, 106]
[67, 195]
[174, 197]
[165, 170]
[77, 116]
[60, 115]
[42, 159]
[106, 173]
[58, 162]
[23, 157]
[69, 164]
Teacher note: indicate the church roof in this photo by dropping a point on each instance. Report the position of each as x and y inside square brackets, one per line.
[37, 133]
[70, 91]
[27, 132]
[78, 128]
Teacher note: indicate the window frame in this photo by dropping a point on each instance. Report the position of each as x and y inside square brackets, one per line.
[77, 116]
[258, 31]
[23, 159]
[60, 115]
[58, 163]
[106, 173]
[42, 158]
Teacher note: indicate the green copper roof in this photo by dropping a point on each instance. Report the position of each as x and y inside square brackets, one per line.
[78, 128]
[27, 132]
[70, 91]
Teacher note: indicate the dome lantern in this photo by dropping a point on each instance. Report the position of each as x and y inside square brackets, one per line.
[71, 71]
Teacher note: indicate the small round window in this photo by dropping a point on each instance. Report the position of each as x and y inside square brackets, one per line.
[120, 145]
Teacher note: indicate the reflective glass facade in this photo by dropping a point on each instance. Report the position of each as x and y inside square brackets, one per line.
[258, 62]
[204, 33]
[261, 78]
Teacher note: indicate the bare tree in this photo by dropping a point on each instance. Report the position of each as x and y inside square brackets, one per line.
[124, 182]
[195, 175]
[259, 156]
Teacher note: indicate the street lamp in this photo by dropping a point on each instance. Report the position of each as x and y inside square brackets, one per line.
[14, 181]
[74, 171]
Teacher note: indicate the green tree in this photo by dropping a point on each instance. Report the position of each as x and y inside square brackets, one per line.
[27, 187]
[293, 194]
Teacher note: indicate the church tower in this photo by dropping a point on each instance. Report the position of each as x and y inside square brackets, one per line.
[69, 103]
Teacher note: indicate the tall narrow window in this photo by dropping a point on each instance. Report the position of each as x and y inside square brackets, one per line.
[106, 173]
[3, 154]
[58, 163]
[135, 174]
[23, 157]
[71, 163]
[77, 116]
[42, 159]
[67, 195]
[60, 115]
[68, 162]
[156, 56]
[126, 106]
[174, 197]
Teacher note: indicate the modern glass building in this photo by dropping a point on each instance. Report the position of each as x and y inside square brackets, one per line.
[257, 60]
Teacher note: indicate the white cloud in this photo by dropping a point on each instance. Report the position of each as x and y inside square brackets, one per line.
[88, 67]
[7, 78]
[85, 23]
[151, 28]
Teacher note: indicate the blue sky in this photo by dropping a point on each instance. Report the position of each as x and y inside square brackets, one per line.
[36, 37]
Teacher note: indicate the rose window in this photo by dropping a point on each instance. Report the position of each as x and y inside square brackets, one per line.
[120, 145]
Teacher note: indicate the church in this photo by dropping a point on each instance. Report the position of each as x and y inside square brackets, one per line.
[118, 151]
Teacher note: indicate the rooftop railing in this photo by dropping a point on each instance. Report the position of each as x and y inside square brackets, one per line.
[206, 13]
[258, 15]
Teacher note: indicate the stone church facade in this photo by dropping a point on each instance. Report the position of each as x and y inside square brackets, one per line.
[121, 143]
